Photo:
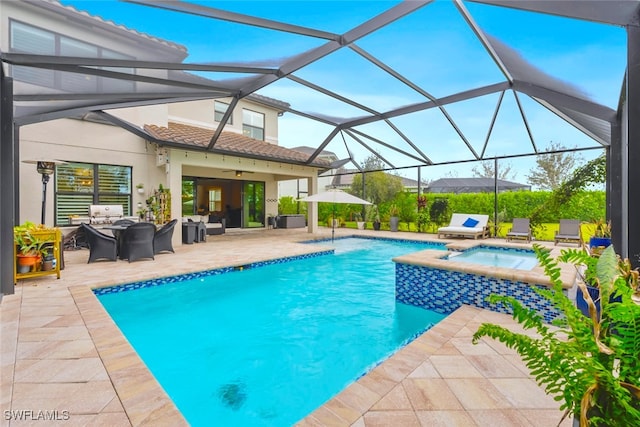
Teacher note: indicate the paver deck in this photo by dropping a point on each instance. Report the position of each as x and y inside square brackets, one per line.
[64, 360]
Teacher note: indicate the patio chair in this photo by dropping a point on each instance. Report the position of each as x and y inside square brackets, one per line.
[569, 232]
[101, 246]
[162, 238]
[136, 242]
[520, 229]
[124, 222]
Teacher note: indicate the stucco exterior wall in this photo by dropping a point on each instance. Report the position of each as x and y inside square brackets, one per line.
[201, 113]
[78, 141]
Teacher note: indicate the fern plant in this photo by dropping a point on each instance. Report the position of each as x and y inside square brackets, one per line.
[591, 364]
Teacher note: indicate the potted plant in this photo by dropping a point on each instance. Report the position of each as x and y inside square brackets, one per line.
[601, 236]
[373, 216]
[357, 217]
[589, 363]
[376, 221]
[31, 248]
[394, 220]
[140, 188]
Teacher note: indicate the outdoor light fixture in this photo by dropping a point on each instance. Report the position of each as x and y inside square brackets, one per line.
[238, 173]
[46, 168]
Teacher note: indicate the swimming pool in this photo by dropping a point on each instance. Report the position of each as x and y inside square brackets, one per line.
[519, 259]
[268, 345]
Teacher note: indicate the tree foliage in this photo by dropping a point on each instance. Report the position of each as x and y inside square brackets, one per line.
[592, 172]
[553, 168]
[380, 187]
[485, 169]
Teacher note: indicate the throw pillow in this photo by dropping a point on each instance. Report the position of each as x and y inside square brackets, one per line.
[470, 222]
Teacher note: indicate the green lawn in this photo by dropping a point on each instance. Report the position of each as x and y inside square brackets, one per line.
[544, 232]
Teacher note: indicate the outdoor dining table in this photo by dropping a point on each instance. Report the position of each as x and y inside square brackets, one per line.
[116, 229]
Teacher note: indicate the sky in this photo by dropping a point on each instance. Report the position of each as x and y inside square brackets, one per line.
[432, 47]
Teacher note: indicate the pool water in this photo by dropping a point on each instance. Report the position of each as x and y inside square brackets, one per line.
[266, 346]
[498, 257]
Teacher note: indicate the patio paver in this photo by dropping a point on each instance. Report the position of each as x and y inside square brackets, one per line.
[62, 352]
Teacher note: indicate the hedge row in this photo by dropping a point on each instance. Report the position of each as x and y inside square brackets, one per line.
[585, 206]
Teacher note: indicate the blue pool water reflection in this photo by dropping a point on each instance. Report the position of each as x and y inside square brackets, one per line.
[497, 257]
[268, 345]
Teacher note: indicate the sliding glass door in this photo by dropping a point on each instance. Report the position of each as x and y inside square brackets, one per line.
[253, 204]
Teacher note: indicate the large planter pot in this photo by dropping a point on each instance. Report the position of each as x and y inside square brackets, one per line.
[604, 242]
[594, 293]
[393, 223]
[376, 225]
[27, 263]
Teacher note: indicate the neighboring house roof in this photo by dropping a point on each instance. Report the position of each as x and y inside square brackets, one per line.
[347, 180]
[228, 143]
[473, 185]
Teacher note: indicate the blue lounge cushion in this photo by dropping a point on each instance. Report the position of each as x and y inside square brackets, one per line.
[470, 222]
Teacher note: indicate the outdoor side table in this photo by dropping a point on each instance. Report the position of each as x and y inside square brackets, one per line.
[201, 232]
[189, 232]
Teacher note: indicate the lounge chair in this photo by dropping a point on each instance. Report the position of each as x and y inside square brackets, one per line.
[520, 229]
[569, 232]
[466, 225]
[136, 241]
[101, 246]
[162, 238]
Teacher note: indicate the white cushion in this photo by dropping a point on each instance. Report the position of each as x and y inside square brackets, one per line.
[194, 218]
[452, 229]
[457, 219]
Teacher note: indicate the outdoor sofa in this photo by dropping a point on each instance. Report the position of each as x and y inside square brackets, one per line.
[213, 224]
[466, 225]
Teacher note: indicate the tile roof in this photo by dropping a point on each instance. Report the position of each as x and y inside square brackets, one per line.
[228, 143]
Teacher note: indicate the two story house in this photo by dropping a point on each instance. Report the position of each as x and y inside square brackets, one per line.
[232, 172]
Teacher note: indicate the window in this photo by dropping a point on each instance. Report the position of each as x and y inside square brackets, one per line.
[79, 185]
[28, 39]
[75, 81]
[219, 109]
[253, 124]
[215, 199]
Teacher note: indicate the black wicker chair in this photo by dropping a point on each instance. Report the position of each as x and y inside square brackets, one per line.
[101, 246]
[116, 233]
[136, 241]
[162, 238]
[124, 222]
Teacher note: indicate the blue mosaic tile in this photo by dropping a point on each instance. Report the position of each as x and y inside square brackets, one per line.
[428, 243]
[199, 274]
[444, 291]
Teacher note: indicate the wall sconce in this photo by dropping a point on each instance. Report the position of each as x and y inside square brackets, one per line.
[238, 173]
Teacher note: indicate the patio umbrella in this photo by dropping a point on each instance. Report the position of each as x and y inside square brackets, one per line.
[334, 196]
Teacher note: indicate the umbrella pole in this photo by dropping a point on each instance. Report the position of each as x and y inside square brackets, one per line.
[333, 223]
